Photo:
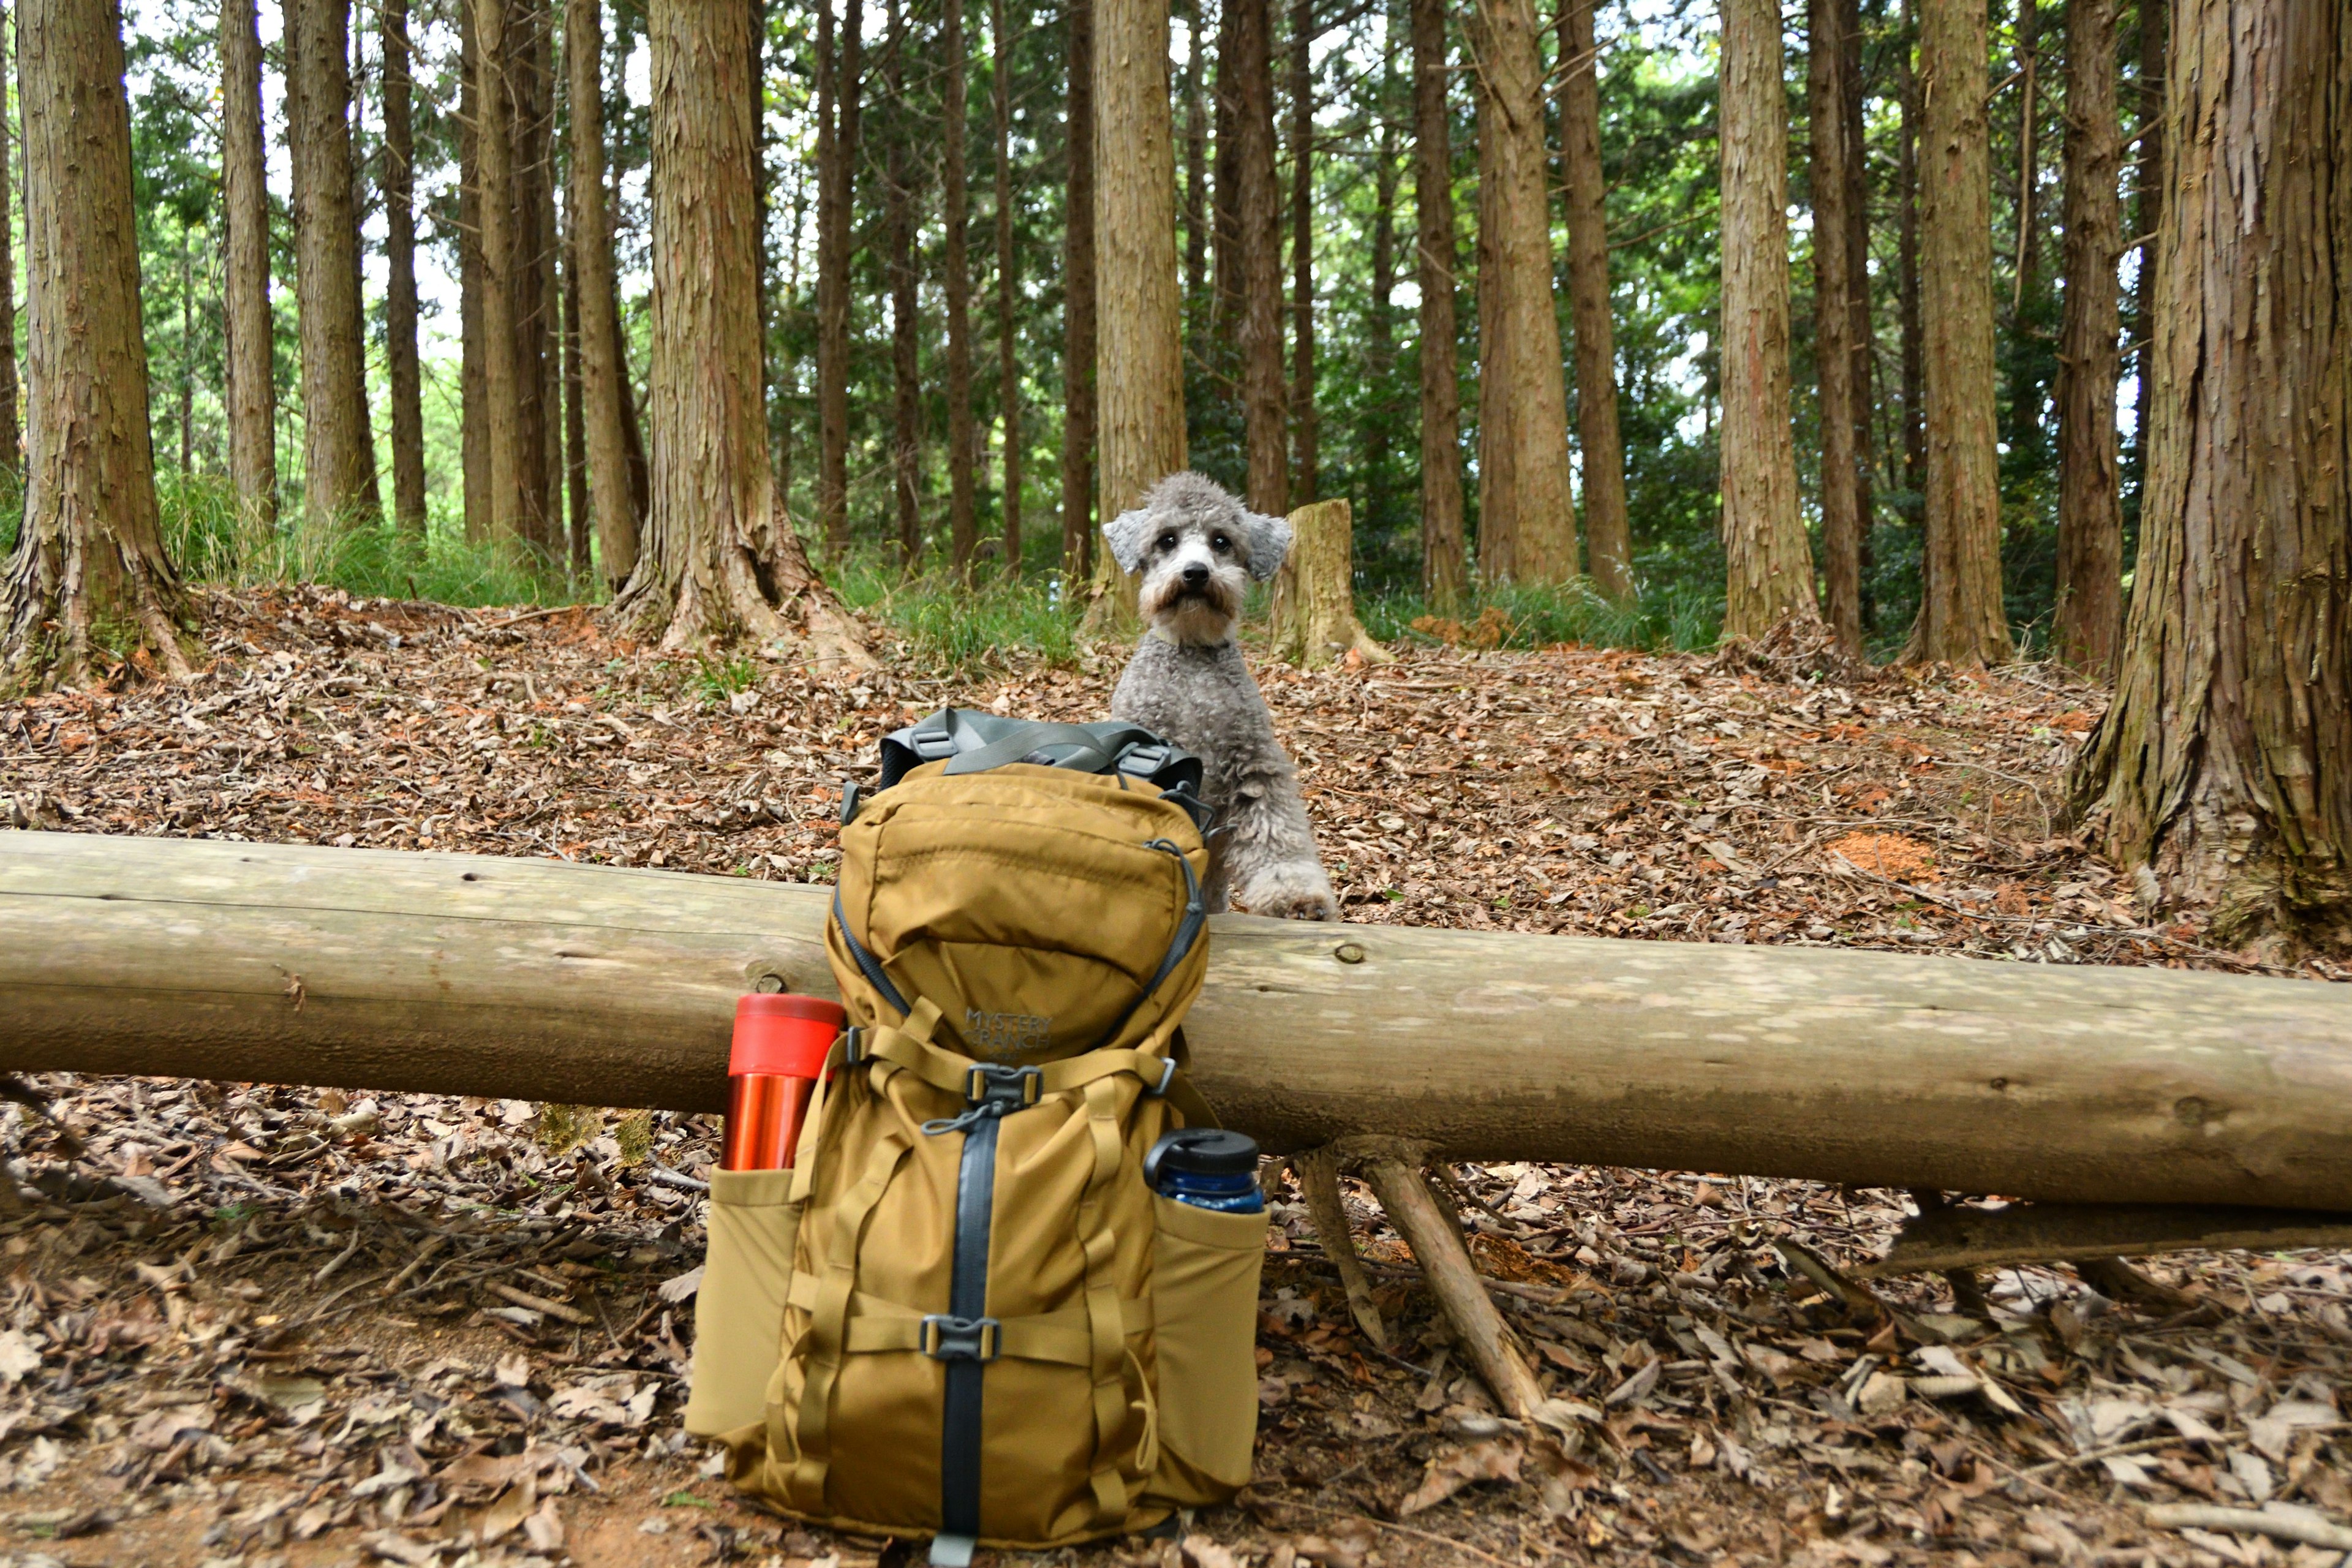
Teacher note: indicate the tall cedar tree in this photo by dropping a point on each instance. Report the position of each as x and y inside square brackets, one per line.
[11, 441]
[575, 417]
[838, 71]
[1140, 349]
[1079, 300]
[1838, 273]
[1768, 563]
[529, 76]
[1258, 205]
[962, 532]
[338, 450]
[1609, 538]
[2221, 762]
[1196, 171]
[90, 556]
[2090, 504]
[898, 224]
[1961, 614]
[1861, 342]
[1305, 480]
[1907, 261]
[251, 391]
[1008, 292]
[1533, 538]
[2147, 188]
[603, 377]
[505, 519]
[1380, 328]
[2028, 258]
[400, 366]
[1443, 572]
[473, 372]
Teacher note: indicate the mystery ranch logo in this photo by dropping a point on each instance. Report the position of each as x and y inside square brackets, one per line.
[1007, 1036]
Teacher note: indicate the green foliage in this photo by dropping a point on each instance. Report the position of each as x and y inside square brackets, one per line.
[1673, 615]
[954, 629]
[716, 680]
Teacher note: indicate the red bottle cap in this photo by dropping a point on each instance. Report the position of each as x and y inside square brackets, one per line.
[783, 1035]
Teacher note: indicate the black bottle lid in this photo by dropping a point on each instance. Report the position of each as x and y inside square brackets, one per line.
[1201, 1151]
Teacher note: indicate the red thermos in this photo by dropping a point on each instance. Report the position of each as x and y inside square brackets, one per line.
[780, 1041]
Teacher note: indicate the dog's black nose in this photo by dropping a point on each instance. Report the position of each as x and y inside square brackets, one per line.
[1196, 575]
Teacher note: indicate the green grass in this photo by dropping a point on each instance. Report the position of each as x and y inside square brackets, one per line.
[1538, 615]
[951, 626]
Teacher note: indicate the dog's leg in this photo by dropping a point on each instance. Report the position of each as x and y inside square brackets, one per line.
[1269, 851]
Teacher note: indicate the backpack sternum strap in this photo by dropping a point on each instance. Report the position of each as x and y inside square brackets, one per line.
[828, 1318]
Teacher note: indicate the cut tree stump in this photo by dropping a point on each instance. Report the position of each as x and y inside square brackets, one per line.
[598, 986]
[1314, 593]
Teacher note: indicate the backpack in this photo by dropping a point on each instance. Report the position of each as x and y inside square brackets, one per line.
[990, 1328]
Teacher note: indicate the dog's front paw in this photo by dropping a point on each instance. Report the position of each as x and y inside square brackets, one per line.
[1291, 893]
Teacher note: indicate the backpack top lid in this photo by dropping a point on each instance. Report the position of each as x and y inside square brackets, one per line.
[974, 743]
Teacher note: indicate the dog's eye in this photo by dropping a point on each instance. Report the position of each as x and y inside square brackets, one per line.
[1220, 543]
[1168, 541]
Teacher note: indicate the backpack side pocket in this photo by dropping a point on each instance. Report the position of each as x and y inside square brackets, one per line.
[1204, 1280]
[738, 1309]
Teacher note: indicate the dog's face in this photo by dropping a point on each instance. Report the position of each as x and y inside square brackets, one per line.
[1198, 549]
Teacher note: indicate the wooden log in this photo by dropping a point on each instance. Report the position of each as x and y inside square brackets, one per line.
[1314, 593]
[544, 980]
[1962, 1238]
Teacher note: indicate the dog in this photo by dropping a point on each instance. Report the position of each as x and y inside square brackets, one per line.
[1198, 549]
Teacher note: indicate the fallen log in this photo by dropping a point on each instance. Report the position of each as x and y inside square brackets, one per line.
[545, 980]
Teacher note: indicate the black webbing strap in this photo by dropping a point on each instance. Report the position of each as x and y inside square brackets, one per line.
[969, 1351]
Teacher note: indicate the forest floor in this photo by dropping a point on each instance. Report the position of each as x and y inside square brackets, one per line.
[260, 1325]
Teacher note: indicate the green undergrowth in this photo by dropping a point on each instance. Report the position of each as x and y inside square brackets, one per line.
[1670, 618]
[953, 626]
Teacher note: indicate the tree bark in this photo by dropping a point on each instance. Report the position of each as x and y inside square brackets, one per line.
[963, 533]
[1767, 559]
[1306, 476]
[1533, 539]
[401, 366]
[1139, 355]
[1078, 303]
[1859, 340]
[604, 372]
[576, 510]
[2059, 1083]
[1443, 571]
[2148, 196]
[1008, 294]
[339, 484]
[1837, 273]
[90, 561]
[714, 531]
[1379, 422]
[473, 375]
[11, 422]
[1196, 172]
[1961, 619]
[898, 222]
[251, 391]
[1314, 611]
[506, 521]
[2221, 761]
[540, 415]
[1906, 263]
[1608, 526]
[2029, 153]
[2089, 619]
[838, 71]
[1258, 207]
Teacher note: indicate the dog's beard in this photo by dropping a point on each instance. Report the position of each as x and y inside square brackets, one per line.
[1198, 617]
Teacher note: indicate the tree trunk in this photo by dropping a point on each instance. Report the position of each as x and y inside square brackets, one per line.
[1906, 263]
[1306, 479]
[1537, 532]
[1078, 305]
[906, 433]
[506, 521]
[1608, 537]
[1837, 273]
[187, 357]
[1196, 173]
[2221, 761]
[836, 161]
[1497, 476]
[1008, 293]
[2029, 153]
[540, 416]
[338, 451]
[1443, 572]
[1862, 343]
[576, 509]
[1379, 420]
[2090, 510]
[1314, 612]
[251, 391]
[89, 563]
[1138, 354]
[11, 422]
[2148, 193]
[963, 534]
[1768, 563]
[604, 372]
[1258, 205]
[1961, 619]
[714, 531]
[460, 975]
[473, 376]
[400, 366]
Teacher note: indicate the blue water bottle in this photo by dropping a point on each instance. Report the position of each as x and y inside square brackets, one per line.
[1207, 1167]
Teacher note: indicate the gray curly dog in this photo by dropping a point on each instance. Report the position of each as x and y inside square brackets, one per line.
[1197, 548]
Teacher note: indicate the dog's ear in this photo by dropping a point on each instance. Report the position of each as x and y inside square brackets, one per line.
[1269, 542]
[1126, 535]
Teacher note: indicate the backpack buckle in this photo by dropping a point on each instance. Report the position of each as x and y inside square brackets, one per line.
[1011, 1088]
[944, 1337]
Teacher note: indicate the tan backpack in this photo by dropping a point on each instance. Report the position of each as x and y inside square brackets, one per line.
[992, 1329]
